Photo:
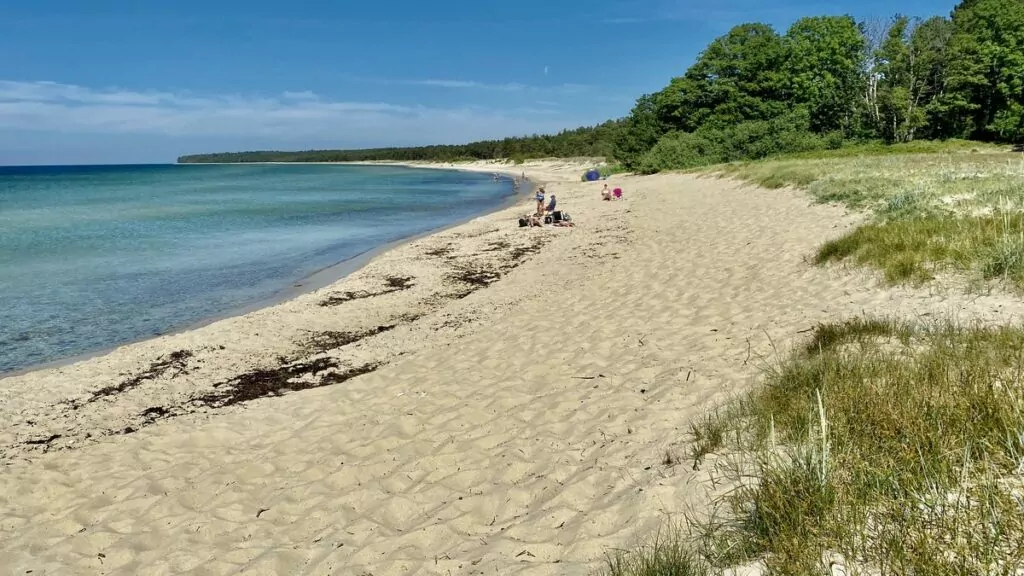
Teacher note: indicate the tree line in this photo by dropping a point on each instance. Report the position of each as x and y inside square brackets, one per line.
[827, 81]
[591, 141]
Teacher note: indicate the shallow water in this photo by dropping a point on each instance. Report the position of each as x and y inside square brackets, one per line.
[94, 256]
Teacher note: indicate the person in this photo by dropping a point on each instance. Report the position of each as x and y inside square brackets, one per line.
[606, 194]
[551, 205]
[540, 200]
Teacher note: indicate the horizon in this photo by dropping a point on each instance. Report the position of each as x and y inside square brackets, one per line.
[128, 85]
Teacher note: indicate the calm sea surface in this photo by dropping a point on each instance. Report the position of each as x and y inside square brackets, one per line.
[91, 257]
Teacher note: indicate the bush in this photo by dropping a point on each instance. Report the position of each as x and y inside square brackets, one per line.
[744, 141]
[683, 150]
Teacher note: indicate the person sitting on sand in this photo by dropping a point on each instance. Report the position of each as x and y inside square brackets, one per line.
[540, 200]
[606, 194]
[551, 205]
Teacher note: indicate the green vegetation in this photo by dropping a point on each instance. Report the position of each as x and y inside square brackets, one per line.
[667, 554]
[915, 249]
[746, 140]
[957, 211]
[590, 142]
[888, 447]
[754, 93]
[841, 81]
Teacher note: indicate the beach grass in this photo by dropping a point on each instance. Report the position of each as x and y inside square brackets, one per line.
[958, 208]
[668, 553]
[916, 249]
[879, 445]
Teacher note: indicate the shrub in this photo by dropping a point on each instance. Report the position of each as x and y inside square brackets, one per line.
[745, 141]
[682, 150]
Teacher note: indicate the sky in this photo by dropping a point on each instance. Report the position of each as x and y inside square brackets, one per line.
[119, 81]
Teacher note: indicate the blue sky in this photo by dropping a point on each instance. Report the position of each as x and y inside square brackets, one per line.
[107, 81]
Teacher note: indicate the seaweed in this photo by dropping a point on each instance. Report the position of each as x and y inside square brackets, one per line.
[264, 382]
[333, 339]
[392, 284]
[177, 361]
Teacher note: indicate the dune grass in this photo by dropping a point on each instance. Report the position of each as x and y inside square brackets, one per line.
[915, 249]
[887, 447]
[957, 211]
[915, 147]
[902, 450]
[668, 553]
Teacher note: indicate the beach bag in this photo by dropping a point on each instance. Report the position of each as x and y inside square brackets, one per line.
[548, 219]
[523, 223]
[557, 215]
[566, 217]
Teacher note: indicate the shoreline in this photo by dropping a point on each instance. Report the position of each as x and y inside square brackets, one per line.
[76, 380]
[311, 282]
[487, 398]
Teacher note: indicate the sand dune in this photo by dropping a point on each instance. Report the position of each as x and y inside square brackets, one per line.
[525, 392]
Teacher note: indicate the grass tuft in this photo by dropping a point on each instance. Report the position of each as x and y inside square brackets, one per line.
[667, 554]
[708, 436]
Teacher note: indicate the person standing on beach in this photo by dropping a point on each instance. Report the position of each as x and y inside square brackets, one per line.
[540, 200]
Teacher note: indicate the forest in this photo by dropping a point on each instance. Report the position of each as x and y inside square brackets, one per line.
[593, 141]
[826, 82]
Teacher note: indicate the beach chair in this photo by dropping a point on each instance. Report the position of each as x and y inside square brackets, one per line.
[617, 193]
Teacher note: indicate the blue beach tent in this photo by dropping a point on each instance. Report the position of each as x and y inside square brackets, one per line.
[593, 175]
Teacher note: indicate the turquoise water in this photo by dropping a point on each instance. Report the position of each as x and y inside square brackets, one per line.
[91, 257]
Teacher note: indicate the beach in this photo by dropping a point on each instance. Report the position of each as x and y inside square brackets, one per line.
[486, 399]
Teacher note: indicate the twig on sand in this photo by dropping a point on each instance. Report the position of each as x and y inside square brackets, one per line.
[588, 377]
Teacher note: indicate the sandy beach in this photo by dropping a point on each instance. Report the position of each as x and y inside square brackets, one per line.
[488, 399]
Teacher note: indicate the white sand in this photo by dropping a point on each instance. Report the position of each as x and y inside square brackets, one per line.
[518, 429]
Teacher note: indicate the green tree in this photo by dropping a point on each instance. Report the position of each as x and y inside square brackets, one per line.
[900, 113]
[911, 67]
[929, 45]
[984, 80]
[638, 133]
[739, 77]
[825, 69]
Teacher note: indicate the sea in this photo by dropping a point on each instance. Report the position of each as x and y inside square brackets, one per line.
[96, 256]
